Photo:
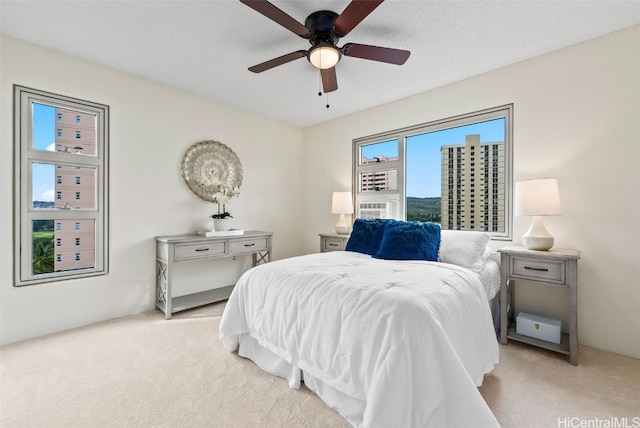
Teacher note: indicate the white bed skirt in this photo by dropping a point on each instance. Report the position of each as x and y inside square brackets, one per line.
[350, 408]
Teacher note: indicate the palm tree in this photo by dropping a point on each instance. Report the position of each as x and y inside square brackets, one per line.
[42, 256]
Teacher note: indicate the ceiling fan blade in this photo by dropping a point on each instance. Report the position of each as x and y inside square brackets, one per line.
[376, 53]
[259, 68]
[353, 14]
[329, 79]
[278, 16]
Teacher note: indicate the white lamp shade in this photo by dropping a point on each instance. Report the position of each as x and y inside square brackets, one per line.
[342, 203]
[537, 197]
[324, 56]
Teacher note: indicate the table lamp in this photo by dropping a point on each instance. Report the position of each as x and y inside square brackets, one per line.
[342, 203]
[537, 198]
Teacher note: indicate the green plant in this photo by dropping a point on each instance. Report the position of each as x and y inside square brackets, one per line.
[222, 215]
[42, 260]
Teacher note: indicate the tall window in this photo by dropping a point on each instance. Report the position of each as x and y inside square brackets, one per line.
[454, 171]
[47, 206]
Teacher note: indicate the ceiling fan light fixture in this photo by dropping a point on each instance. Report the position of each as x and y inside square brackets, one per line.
[324, 56]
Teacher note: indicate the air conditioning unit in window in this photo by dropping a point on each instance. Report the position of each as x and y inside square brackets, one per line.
[375, 209]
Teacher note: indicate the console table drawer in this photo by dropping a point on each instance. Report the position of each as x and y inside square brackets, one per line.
[248, 245]
[199, 251]
[539, 270]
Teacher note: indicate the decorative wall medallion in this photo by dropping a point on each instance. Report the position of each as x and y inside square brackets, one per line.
[211, 159]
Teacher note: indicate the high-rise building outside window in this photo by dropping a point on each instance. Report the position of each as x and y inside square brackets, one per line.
[456, 172]
[61, 146]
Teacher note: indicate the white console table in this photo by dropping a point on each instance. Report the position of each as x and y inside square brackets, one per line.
[182, 248]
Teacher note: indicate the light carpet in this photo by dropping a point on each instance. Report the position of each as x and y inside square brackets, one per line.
[145, 371]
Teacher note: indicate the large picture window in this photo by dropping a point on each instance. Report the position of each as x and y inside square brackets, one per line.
[61, 187]
[455, 172]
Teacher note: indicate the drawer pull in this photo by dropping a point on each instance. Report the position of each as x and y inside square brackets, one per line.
[202, 249]
[537, 269]
[249, 245]
[333, 245]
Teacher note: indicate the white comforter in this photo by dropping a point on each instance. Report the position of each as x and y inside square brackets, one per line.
[411, 339]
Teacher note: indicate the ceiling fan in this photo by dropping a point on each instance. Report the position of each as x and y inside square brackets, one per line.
[323, 29]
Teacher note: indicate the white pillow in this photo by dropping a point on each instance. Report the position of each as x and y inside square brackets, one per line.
[463, 248]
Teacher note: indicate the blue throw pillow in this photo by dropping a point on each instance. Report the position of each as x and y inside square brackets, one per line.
[403, 240]
[366, 236]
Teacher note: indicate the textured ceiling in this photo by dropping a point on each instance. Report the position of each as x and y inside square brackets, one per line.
[204, 47]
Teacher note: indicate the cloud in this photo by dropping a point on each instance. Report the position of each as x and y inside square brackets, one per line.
[51, 147]
[48, 196]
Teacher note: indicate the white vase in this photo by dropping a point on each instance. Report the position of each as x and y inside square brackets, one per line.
[220, 224]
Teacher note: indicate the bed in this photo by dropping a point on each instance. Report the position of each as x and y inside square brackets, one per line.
[385, 341]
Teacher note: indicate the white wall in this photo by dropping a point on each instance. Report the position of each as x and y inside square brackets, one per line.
[577, 118]
[151, 128]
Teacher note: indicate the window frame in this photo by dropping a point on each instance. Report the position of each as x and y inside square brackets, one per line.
[398, 197]
[25, 155]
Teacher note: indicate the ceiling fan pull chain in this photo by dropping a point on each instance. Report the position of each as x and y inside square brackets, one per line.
[319, 84]
[327, 100]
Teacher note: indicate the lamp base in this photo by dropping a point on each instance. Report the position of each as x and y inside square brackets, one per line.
[537, 237]
[537, 243]
[342, 230]
[342, 227]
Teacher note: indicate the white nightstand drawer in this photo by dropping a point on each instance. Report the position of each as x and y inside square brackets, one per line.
[248, 245]
[539, 269]
[197, 251]
[334, 244]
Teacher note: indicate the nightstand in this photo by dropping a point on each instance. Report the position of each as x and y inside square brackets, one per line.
[332, 242]
[555, 268]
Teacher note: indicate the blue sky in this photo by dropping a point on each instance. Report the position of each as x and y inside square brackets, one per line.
[44, 128]
[423, 153]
